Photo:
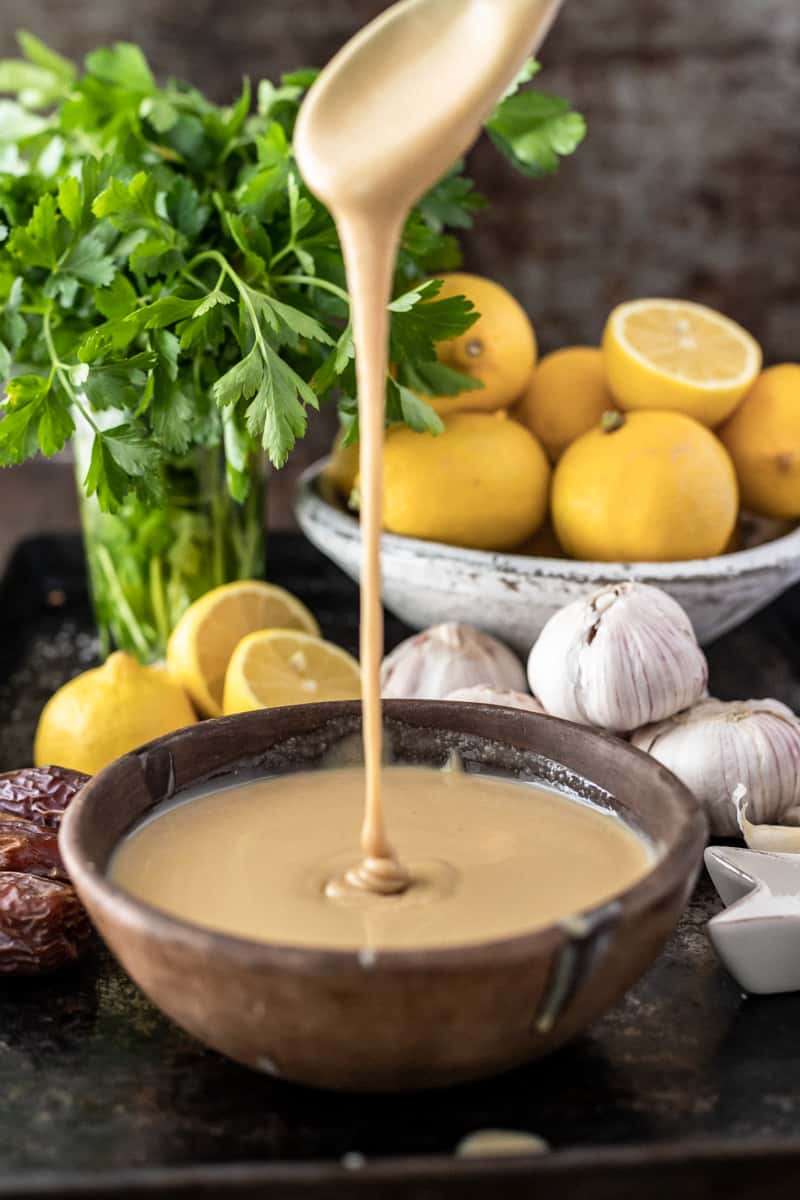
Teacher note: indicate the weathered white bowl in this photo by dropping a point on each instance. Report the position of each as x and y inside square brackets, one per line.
[512, 595]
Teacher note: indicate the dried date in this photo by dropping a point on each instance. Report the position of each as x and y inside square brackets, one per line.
[40, 794]
[43, 925]
[25, 846]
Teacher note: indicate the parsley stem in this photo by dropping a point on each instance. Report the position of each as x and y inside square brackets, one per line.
[124, 609]
[210, 256]
[62, 372]
[158, 599]
[241, 287]
[312, 281]
[198, 283]
[287, 249]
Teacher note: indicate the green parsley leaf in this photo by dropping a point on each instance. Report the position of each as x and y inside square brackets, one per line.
[452, 202]
[118, 299]
[187, 212]
[404, 405]
[42, 56]
[117, 385]
[419, 321]
[241, 381]
[88, 262]
[277, 414]
[123, 460]
[211, 301]
[122, 66]
[13, 327]
[69, 200]
[534, 129]
[171, 414]
[155, 256]
[524, 75]
[17, 124]
[130, 206]
[109, 338]
[161, 114]
[286, 321]
[36, 418]
[163, 312]
[251, 240]
[431, 378]
[39, 243]
[262, 189]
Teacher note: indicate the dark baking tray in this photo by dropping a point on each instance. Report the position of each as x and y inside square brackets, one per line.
[686, 1089]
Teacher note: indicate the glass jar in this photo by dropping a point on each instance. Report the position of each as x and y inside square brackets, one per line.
[148, 564]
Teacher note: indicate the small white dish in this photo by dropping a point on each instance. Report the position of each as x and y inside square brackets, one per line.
[757, 937]
[512, 596]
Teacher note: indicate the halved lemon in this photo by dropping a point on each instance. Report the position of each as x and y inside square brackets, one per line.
[207, 634]
[679, 356]
[281, 666]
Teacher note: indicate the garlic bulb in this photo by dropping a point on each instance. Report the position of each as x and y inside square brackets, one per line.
[481, 694]
[441, 659]
[618, 659]
[718, 749]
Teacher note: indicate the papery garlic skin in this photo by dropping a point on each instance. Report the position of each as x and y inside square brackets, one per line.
[618, 659]
[431, 664]
[480, 694]
[717, 749]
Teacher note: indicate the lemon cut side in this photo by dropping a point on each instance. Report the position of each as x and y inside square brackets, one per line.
[277, 667]
[207, 634]
[679, 356]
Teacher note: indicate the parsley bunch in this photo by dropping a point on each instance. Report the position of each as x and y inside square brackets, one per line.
[167, 282]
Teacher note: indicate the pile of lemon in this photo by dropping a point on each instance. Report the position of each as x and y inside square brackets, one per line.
[639, 450]
[242, 646]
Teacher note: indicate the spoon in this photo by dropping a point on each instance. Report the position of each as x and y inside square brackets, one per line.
[425, 75]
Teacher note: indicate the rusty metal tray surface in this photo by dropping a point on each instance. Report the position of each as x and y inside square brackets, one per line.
[686, 1089]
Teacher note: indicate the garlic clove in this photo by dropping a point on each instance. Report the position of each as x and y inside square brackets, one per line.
[618, 659]
[496, 1143]
[781, 839]
[448, 657]
[725, 750]
[480, 694]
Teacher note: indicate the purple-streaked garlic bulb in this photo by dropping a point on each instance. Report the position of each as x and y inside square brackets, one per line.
[481, 694]
[726, 751]
[618, 659]
[444, 658]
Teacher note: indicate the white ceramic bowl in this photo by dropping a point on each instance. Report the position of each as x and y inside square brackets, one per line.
[512, 596]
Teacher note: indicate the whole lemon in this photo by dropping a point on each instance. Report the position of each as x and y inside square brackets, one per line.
[342, 467]
[565, 397]
[482, 483]
[499, 350]
[645, 487]
[103, 713]
[763, 439]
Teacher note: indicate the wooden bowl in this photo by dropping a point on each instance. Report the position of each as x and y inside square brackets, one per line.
[405, 1019]
[512, 595]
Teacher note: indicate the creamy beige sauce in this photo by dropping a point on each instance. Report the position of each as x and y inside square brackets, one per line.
[384, 121]
[488, 858]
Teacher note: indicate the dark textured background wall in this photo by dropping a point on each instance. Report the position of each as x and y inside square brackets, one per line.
[687, 184]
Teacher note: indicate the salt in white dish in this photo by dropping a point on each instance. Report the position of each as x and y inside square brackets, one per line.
[757, 936]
